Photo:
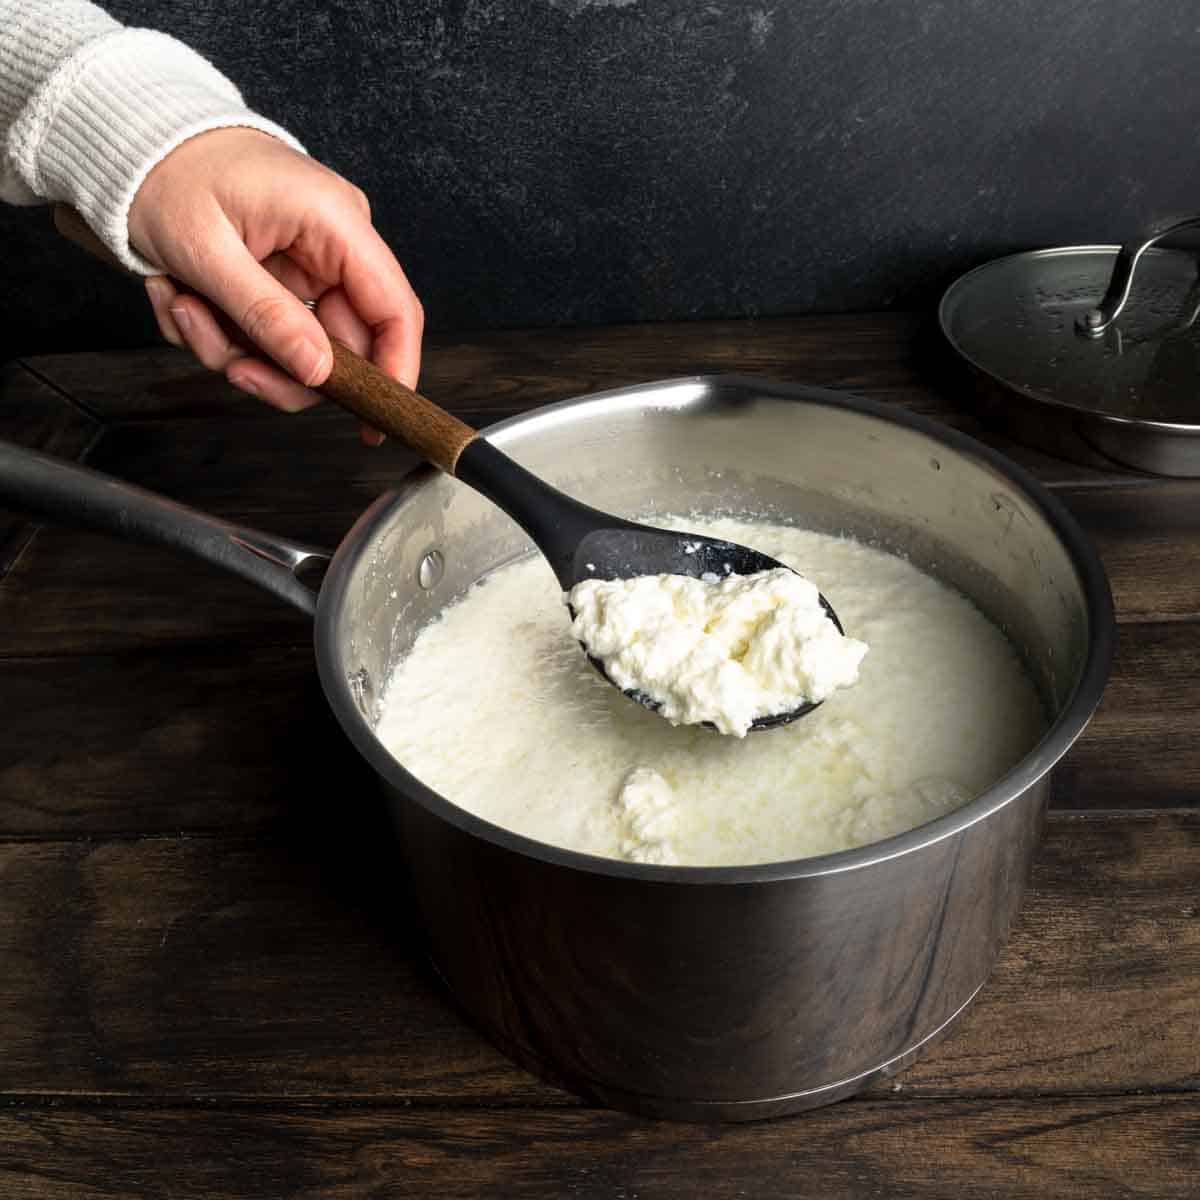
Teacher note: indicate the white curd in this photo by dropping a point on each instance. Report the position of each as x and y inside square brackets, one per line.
[725, 651]
[497, 708]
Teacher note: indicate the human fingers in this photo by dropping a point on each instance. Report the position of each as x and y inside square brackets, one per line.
[268, 383]
[308, 286]
[213, 208]
[161, 294]
[204, 334]
[343, 323]
[213, 227]
[212, 345]
[384, 300]
[269, 315]
[340, 321]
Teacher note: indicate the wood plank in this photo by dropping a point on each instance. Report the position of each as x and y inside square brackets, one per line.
[483, 377]
[1076, 1149]
[126, 384]
[76, 592]
[522, 368]
[1149, 540]
[32, 414]
[1141, 749]
[218, 969]
[206, 967]
[254, 468]
[213, 737]
[165, 740]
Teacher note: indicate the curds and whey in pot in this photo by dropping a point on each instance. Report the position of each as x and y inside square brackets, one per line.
[495, 708]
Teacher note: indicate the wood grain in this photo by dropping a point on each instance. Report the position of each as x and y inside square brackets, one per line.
[166, 740]
[1140, 751]
[262, 464]
[208, 968]
[387, 405]
[887, 356]
[1082, 1149]
[76, 593]
[223, 969]
[1149, 540]
[33, 414]
[523, 368]
[253, 468]
[124, 386]
[265, 463]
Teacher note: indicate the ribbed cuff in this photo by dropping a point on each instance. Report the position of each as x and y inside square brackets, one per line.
[39, 37]
[112, 111]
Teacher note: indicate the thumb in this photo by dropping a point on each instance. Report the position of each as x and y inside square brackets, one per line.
[270, 316]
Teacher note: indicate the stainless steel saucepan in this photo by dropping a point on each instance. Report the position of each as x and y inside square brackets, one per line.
[700, 993]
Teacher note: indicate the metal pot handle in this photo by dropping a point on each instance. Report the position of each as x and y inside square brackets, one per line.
[1096, 320]
[50, 487]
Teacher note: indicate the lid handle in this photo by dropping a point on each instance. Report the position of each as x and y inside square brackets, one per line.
[1096, 320]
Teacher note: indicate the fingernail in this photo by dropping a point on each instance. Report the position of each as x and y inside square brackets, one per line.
[170, 333]
[309, 363]
[181, 318]
[159, 289]
[244, 384]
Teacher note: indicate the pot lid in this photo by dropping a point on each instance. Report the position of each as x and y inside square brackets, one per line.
[1105, 330]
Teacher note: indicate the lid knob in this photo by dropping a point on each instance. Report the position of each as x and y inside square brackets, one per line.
[1096, 320]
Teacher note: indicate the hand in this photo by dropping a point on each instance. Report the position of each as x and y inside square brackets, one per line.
[256, 227]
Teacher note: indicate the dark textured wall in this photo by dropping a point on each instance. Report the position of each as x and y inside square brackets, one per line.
[575, 161]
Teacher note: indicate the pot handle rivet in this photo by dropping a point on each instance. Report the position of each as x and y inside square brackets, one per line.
[431, 570]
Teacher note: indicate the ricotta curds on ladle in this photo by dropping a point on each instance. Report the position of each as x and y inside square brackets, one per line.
[718, 651]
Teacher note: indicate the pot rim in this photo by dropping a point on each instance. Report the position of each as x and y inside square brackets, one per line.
[1056, 741]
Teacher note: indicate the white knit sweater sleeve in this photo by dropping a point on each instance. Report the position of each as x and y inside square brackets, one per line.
[88, 106]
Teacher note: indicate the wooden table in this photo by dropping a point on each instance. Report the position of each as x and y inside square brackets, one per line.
[208, 987]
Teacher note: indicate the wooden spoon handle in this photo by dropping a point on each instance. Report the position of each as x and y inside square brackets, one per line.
[396, 410]
[354, 383]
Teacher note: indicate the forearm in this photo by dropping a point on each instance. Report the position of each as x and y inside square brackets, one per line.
[88, 107]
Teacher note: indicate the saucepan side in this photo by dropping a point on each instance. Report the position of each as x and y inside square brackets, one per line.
[727, 993]
[696, 993]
